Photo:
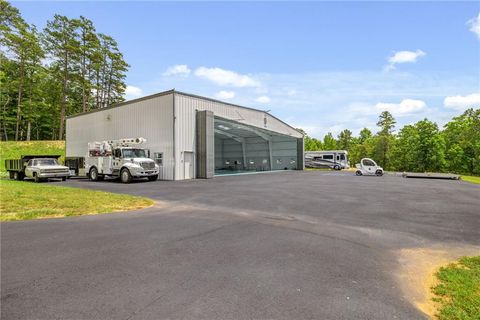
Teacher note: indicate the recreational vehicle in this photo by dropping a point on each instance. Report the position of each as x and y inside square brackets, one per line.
[334, 159]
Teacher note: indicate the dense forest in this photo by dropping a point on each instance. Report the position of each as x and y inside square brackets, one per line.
[419, 147]
[66, 68]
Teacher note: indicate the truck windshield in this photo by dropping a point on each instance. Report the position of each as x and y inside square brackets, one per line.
[45, 162]
[134, 153]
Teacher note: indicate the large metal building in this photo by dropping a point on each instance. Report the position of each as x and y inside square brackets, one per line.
[191, 136]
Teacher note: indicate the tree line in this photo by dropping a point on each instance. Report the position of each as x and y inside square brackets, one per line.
[419, 147]
[66, 68]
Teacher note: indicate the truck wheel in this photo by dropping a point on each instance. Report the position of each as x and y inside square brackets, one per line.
[11, 175]
[125, 176]
[93, 174]
[336, 167]
[36, 178]
[153, 178]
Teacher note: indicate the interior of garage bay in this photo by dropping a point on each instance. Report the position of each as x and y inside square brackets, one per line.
[240, 148]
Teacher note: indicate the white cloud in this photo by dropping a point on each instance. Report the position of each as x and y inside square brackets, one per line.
[132, 92]
[461, 103]
[404, 57]
[291, 93]
[474, 24]
[179, 69]
[263, 99]
[224, 95]
[406, 106]
[226, 77]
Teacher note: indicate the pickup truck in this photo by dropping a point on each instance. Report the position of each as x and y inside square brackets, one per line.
[36, 167]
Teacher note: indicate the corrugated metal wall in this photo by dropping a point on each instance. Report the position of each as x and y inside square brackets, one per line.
[284, 153]
[185, 107]
[149, 118]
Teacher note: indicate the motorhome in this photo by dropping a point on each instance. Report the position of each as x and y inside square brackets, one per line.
[334, 159]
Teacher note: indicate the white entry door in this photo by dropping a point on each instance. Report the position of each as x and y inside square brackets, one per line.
[188, 164]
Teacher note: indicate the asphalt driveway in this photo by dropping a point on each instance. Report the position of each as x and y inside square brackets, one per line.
[285, 245]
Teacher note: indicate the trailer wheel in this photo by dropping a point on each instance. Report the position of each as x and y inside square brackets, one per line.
[93, 174]
[153, 178]
[17, 176]
[11, 175]
[64, 178]
[125, 176]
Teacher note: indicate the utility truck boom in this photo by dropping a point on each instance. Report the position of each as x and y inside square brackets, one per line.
[120, 158]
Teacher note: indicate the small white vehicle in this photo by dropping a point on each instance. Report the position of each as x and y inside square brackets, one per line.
[368, 167]
[44, 169]
[120, 158]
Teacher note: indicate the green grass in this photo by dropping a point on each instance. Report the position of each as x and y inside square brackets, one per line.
[15, 149]
[458, 290]
[471, 179]
[25, 200]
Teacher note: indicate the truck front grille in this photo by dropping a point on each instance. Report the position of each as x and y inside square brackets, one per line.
[54, 171]
[148, 165]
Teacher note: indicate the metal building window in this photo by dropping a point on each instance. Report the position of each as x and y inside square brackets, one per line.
[159, 158]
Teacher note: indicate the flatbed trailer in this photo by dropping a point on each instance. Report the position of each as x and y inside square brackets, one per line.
[16, 167]
[431, 175]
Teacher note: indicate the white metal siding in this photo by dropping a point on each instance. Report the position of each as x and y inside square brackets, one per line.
[185, 115]
[150, 118]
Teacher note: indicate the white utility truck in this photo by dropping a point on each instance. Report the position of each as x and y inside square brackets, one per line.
[120, 158]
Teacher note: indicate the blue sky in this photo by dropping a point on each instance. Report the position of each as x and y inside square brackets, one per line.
[322, 66]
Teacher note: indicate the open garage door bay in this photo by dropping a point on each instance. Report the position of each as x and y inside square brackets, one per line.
[241, 148]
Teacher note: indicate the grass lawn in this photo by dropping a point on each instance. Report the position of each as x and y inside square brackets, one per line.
[24, 200]
[14, 149]
[471, 179]
[458, 290]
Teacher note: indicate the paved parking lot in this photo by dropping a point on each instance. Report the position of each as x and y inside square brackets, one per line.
[285, 245]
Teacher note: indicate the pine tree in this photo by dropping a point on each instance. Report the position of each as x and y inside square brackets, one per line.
[61, 42]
